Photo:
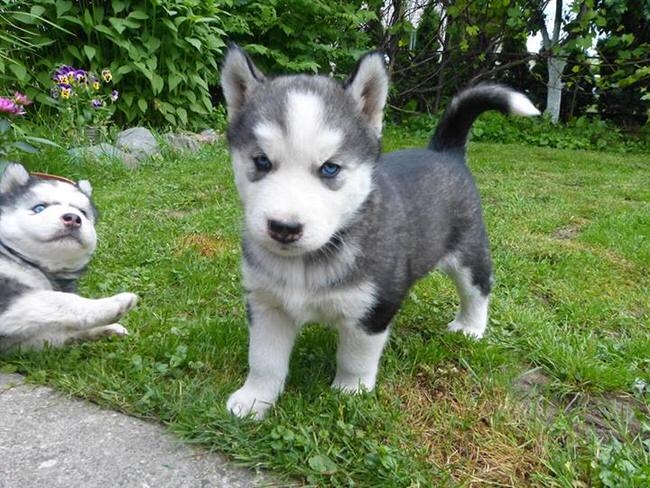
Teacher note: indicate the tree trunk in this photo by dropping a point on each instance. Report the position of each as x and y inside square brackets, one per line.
[554, 87]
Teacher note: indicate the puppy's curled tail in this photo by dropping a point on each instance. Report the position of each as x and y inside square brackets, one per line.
[453, 128]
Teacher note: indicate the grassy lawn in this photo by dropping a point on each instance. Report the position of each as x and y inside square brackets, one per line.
[557, 394]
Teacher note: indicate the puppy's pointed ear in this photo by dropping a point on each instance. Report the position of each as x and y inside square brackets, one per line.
[14, 176]
[85, 187]
[238, 77]
[368, 85]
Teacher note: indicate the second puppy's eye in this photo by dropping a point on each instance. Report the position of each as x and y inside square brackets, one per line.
[262, 163]
[329, 169]
[39, 208]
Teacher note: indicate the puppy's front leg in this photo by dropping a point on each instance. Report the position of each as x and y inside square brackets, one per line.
[55, 317]
[272, 334]
[357, 358]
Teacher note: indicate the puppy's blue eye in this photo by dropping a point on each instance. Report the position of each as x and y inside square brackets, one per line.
[329, 169]
[39, 208]
[262, 163]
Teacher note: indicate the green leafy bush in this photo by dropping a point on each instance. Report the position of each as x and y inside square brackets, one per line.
[582, 133]
[297, 36]
[164, 53]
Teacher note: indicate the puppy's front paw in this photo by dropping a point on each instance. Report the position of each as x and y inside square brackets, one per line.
[97, 333]
[125, 301]
[353, 384]
[475, 332]
[247, 401]
[115, 330]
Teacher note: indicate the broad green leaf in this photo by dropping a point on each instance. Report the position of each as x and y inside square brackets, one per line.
[182, 114]
[322, 464]
[90, 52]
[74, 50]
[40, 140]
[173, 80]
[138, 14]
[118, 24]
[142, 104]
[157, 83]
[62, 6]
[118, 6]
[152, 44]
[194, 42]
[37, 10]
[19, 71]
[23, 146]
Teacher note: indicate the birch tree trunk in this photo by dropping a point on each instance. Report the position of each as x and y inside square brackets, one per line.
[554, 87]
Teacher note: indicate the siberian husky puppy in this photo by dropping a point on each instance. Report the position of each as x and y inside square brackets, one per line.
[337, 233]
[47, 237]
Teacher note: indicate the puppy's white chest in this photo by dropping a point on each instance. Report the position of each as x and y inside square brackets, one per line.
[313, 304]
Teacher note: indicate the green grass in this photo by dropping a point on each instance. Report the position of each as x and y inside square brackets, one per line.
[570, 233]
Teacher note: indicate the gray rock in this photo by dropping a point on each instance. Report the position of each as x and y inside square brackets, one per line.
[139, 142]
[103, 151]
[207, 136]
[182, 142]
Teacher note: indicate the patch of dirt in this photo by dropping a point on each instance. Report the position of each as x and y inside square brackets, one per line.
[477, 435]
[605, 415]
[207, 245]
[571, 230]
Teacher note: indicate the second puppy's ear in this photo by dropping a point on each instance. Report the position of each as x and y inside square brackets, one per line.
[85, 187]
[368, 85]
[238, 77]
[13, 177]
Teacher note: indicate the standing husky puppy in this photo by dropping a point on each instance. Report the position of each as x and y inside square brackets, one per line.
[334, 232]
[47, 236]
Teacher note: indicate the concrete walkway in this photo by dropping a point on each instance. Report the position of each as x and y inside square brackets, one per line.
[49, 440]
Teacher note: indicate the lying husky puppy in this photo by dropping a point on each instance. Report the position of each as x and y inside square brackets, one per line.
[47, 237]
[336, 232]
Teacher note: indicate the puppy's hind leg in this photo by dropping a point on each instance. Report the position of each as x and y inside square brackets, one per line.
[473, 284]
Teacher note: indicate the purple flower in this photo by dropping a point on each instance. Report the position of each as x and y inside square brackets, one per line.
[97, 103]
[65, 91]
[115, 95]
[64, 74]
[21, 99]
[64, 70]
[8, 106]
[80, 75]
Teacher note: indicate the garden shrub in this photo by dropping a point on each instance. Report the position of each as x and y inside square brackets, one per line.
[163, 54]
[581, 133]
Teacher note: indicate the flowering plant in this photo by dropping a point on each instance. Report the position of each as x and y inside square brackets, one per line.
[11, 136]
[85, 99]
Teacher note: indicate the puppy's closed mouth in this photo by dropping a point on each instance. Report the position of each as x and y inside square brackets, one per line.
[66, 235]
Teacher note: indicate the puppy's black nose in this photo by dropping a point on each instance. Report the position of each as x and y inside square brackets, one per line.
[71, 220]
[284, 232]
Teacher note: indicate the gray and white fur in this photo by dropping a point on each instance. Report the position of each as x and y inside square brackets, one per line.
[337, 233]
[47, 238]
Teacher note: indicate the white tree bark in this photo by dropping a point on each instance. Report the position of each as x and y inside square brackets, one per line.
[554, 87]
[551, 43]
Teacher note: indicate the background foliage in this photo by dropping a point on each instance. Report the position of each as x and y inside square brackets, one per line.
[165, 54]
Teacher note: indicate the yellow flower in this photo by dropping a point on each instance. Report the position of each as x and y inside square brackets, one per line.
[66, 92]
[107, 76]
[96, 85]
